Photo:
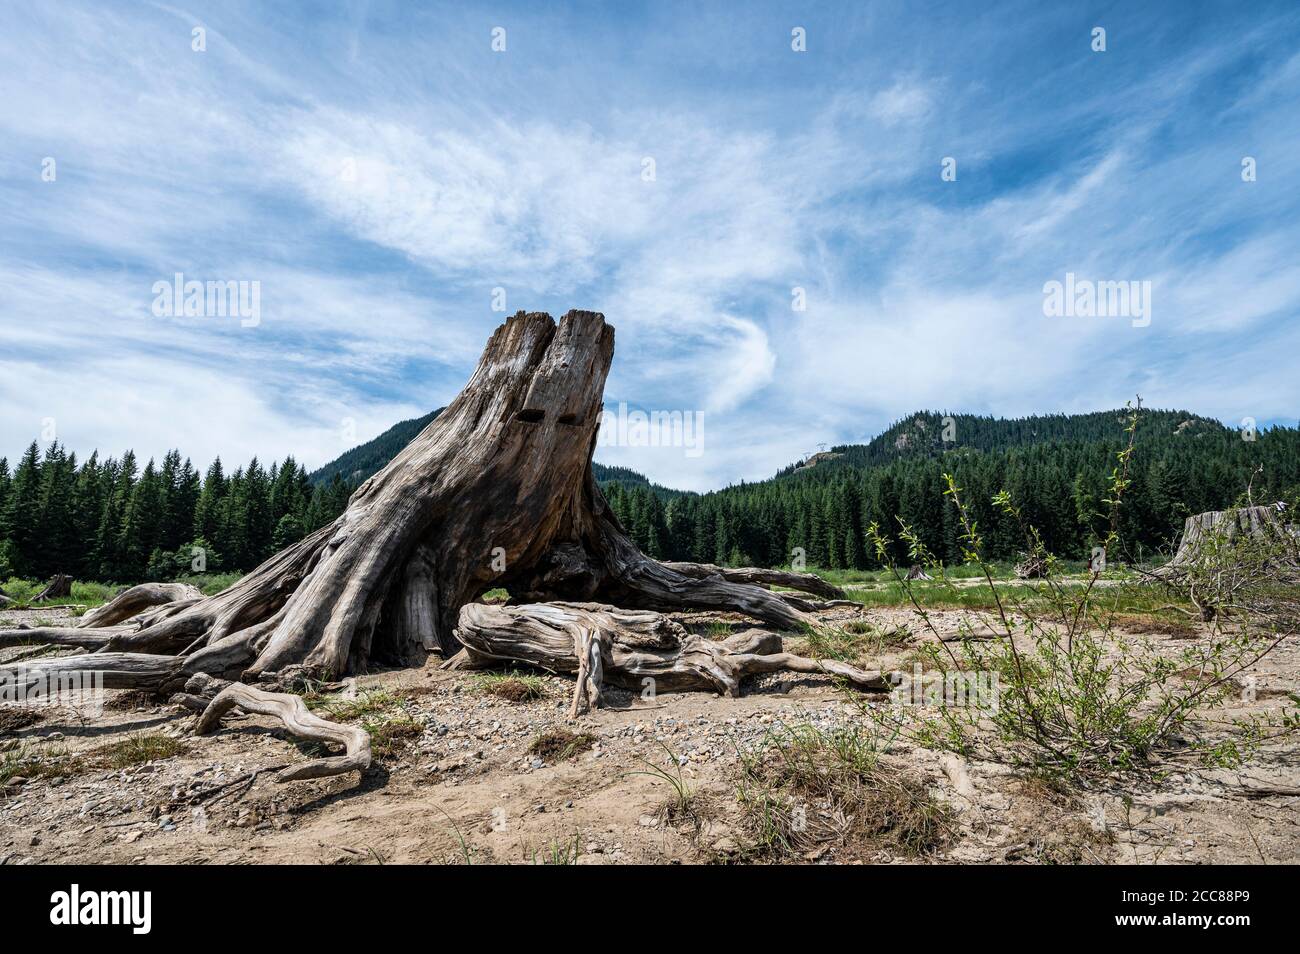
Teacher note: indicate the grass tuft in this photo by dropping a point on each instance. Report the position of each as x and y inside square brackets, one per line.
[806, 791]
[512, 686]
[138, 749]
[557, 745]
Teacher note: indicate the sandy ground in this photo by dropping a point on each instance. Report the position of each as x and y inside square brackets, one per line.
[465, 787]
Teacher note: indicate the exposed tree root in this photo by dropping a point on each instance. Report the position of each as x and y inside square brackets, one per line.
[804, 582]
[59, 636]
[299, 720]
[136, 599]
[114, 670]
[636, 650]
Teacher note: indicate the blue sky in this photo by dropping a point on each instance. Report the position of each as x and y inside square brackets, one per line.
[380, 170]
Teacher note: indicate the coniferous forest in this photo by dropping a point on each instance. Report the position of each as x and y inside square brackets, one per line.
[116, 520]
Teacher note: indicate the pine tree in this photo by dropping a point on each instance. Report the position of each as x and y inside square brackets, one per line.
[22, 513]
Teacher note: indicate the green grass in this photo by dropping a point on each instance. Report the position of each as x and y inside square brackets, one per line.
[392, 732]
[513, 686]
[31, 762]
[138, 749]
[53, 761]
[681, 804]
[559, 852]
[381, 712]
[856, 641]
[368, 703]
[89, 594]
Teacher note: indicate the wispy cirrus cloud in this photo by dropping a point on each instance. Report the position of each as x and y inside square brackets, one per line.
[381, 171]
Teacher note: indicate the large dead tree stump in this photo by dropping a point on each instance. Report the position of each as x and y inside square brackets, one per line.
[60, 586]
[497, 491]
[1219, 527]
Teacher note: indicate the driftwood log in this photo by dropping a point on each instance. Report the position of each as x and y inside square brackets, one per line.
[638, 650]
[497, 491]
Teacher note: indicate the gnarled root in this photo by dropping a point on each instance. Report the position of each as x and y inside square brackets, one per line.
[634, 649]
[803, 582]
[137, 599]
[107, 671]
[299, 720]
[58, 636]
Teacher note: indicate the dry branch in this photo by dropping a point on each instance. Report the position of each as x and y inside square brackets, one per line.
[300, 722]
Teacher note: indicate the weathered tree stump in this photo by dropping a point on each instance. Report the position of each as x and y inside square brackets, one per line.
[60, 585]
[1230, 526]
[497, 491]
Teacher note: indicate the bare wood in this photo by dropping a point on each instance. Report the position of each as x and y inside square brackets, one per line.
[804, 582]
[58, 636]
[136, 599]
[301, 722]
[1228, 525]
[113, 670]
[60, 585]
[632, 649]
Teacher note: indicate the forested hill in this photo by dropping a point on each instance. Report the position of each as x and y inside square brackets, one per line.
[1057, 468]
[116, 520]
[932, 433]
[365, 459]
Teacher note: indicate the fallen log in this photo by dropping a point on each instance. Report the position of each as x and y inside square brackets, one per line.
[629, 648]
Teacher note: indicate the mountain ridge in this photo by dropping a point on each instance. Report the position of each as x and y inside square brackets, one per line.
[920, 434]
